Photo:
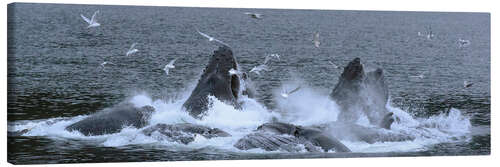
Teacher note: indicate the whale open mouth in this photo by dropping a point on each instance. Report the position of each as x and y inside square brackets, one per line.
[216, 81]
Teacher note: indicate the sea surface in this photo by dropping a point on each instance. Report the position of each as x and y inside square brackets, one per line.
[55, 77]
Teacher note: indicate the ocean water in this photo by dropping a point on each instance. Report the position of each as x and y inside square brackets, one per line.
[55, 79]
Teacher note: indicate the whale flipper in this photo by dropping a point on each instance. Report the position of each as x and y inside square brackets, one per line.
[113, 120]
[359, 93]
[215, 81]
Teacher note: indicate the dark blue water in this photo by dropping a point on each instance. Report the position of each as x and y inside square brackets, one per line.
[53, 67]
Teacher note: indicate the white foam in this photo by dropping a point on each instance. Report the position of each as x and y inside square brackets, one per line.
[305, 107]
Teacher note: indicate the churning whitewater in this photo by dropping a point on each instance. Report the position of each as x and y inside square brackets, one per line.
[308, 107]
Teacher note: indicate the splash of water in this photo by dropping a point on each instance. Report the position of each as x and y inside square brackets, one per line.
[305, 107]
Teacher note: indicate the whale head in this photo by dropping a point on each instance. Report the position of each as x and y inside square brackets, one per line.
[215, 81]
[362, 93]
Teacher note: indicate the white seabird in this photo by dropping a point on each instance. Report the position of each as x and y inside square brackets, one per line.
[316, 40]
[169, 66]
[232, 71]
[254, 15]
[268, 57]
[421, 76]
[285, 93]
[211, 38]
[334, 65]
[103, 64]
[467, 84]
[132, 49]
[259, 68]
[93, 21]
[463, 42]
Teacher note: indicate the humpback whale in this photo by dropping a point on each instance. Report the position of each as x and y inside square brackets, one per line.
[355, 132]
[113, 120]
[288, 137]
[184, 133]
[359, 93]
[216, 81]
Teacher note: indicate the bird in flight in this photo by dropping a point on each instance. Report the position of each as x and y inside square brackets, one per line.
[93, 21]
[467, 84]
[132, 49]
[316, 40]
[285, 93]
[254, 15]
[268, 57]
[430, 35]
[334, 65]
[463, 42]
[259, 68]
[103, 64]
[169, 66]
[232, 71]
[421, 76]
[211, 38]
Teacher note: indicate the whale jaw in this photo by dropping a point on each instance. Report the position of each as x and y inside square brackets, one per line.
[215, 81]
[359, 93]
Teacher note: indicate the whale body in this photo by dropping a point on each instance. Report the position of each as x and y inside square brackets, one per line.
[184, 133]
[113, 120]
[288, 137]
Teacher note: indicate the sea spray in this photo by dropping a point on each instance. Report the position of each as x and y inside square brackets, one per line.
[305, 107]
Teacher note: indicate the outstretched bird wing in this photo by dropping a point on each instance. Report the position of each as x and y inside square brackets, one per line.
[295, 90]
[218, 41]
[203, 34]
[267, 59]
[93, 19]
[86, 19]
[132, 46]
[334, 65]
[166, 70]
[172, 62]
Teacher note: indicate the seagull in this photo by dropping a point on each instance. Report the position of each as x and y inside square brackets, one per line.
[334, 65]
[467, 84]
[104, 63]
[463, 42]
[430, 35]
[259, 68]
[211, 38]
[232, 71]
[169, 66]
[268, 57]
[316, 40]
[254, 15]
[92, 22]
[285, 94]
[421, 76]
[132, 49]
[277, 56]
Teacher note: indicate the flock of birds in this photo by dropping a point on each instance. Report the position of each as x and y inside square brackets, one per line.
[92, 23]
[430, 35]
[262, 67]
[461, 44]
